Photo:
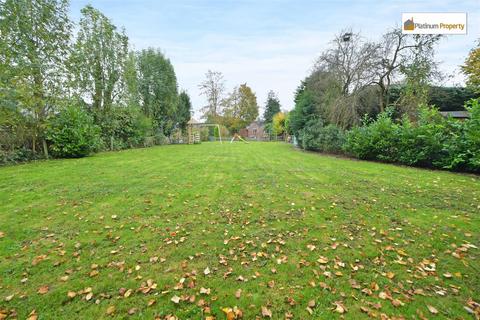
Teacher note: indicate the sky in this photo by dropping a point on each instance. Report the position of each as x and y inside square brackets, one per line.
[268, 44]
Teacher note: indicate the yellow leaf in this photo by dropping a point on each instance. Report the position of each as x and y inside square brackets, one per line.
[110, 310]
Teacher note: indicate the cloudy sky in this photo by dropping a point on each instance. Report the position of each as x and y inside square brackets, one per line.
[269, 44]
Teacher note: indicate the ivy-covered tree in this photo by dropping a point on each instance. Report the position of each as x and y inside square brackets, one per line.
[272, 107]
[34, 43]
[98, 61]
[158, 91]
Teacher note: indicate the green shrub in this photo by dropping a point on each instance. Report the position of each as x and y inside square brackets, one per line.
[422, 143]
[125, 127]
[160, 138]
[72, 133]
[377, 140]
[319, 138]
[17, 155]
[472, 135]
[431, 141]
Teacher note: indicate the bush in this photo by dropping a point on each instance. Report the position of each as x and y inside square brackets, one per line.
[422, 143]
[472, 135]
[72, 134]
[160, 138]
[319, 138]
[432, 141]
[377, 140]
[125, 127]
[17, 155]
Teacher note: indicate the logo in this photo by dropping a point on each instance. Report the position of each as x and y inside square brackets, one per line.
[434, 23]
[409, 25]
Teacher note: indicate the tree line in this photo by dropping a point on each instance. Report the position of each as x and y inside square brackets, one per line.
[67, 96]
[234, 110]
[239, 108]
[377, 101]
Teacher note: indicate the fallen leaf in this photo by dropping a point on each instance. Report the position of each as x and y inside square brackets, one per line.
[383, 295]
[266, 312]
[9, 298]
[206, 271]
[205, 290]
[175, 299]
[33, 315]
[110, 310]
[229, 313]
[238, 293]
[71, 294]
[322, 260]
[128, 293]
[339, 307]
[432, 309]
[38, 259]
[397, 303]
[43, 289]
[151, 302]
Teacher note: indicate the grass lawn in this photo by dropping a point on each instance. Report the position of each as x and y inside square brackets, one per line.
[190, 230]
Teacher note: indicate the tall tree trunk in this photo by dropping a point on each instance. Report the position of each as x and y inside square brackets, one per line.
[382, 96]
[45, 148]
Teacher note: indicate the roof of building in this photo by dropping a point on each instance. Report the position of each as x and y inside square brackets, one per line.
[455, 114]
[257, 123]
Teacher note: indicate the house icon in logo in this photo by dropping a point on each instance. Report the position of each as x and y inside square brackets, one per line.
[409, 25]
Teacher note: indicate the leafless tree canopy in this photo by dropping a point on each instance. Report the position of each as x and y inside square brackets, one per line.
[354, 68]
[213, 88]
[351, 59]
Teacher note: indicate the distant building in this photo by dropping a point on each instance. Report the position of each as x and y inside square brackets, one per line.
[461, 115]
[254, 131]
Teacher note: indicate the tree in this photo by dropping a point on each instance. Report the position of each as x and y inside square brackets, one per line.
[471, 68]
[278, 123]
[98, 61]
[418, 69]
[34, 44]
[72, 133]
[351, 60]
[213, 88]
[344, 71]
[240, 108]
[184, 110]
[304, 111]
[272, 106]
[394, 52]
[158, 89]
[132, 95]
